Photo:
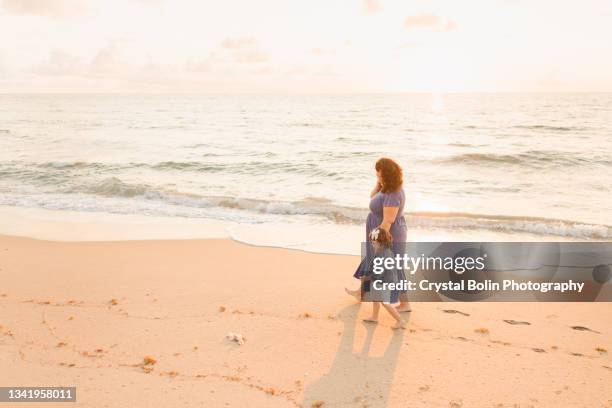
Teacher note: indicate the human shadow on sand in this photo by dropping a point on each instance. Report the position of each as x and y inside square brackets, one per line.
[356, 379]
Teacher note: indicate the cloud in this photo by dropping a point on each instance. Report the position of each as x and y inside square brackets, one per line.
[45, 8]
[304, 71]
[244, 50]
[371, 6]
[451, 26]
[61, 63]
[409, 44]
[265, 70]
[238, 43]
[297, 70]
[326, 70]
[323, 51]
[207, 64]
[114, 66]
[54, 8]
[429, 21]
[250, 56]
[108, 60]
[230, 53]
[421, 21]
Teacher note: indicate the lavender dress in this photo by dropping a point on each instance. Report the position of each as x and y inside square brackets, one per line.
[375, 217]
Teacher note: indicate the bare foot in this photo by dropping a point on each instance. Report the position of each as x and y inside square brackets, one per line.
[370, 320]
[403, 308]
[400, 325]
[354, 293]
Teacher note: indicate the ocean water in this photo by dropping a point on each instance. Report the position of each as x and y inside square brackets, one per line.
[296, 171]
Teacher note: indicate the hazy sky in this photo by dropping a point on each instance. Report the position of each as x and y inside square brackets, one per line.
[305, 46]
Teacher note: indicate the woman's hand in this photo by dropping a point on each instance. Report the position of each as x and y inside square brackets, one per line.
[376, 189]
[385, 225]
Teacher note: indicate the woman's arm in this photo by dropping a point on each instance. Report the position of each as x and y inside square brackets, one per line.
[376, 189]
[389, 214]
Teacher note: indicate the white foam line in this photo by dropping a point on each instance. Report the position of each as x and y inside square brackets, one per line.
[54, 225]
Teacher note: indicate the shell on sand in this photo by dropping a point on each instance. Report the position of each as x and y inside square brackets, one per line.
[236, 337]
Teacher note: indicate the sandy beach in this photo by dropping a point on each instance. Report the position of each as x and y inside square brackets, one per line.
[144, 324]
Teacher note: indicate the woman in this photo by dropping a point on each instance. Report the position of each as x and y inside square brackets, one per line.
[386, 212]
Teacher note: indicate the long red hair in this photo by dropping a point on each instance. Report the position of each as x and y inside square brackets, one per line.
[391, 174]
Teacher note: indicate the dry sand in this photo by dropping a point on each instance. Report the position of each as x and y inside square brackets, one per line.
[88, 314]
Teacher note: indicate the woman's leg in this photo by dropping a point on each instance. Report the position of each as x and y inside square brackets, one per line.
[355, 293]
[404, 305]
[375, 310]
[401, 323]
[399, 248]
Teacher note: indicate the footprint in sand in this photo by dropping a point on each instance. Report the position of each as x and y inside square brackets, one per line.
[538, 350]
[452, 311]
[517, 322]
[582, 328]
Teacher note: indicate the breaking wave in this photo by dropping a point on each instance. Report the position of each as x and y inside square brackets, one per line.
[531, 158]
[326, 209]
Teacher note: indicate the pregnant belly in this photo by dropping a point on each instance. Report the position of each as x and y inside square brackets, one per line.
[398, 226]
